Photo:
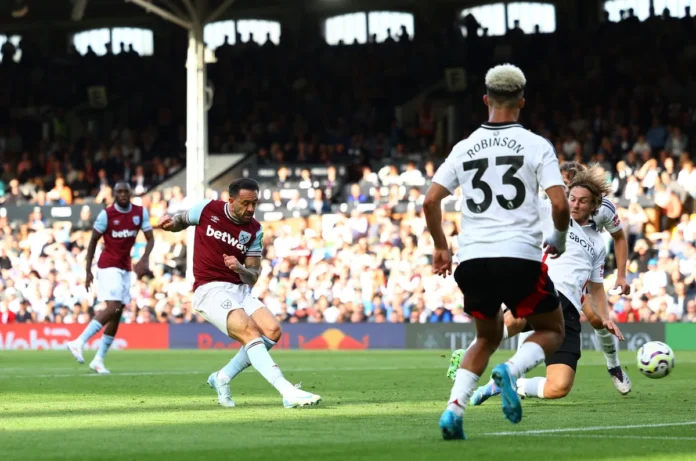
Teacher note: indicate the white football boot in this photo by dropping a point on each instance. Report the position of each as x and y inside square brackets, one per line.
[300, 398]
[98, 366]
[620, 379]
[75, 349]
[223, 391]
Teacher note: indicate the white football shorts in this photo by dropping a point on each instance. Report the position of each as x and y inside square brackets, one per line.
[113, 284]
[215, 300]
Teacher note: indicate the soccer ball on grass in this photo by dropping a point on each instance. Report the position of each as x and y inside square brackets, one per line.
[655, 359]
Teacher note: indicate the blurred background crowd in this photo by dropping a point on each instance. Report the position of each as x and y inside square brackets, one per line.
[348, 174]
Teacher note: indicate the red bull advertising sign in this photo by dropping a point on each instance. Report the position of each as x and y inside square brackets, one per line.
[297, 336]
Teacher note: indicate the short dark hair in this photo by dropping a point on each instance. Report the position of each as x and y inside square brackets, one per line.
[122, 184]
[505, 99]
[243, 184]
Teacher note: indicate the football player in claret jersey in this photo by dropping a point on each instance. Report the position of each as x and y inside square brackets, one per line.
[227, 261]
[119, 224]
[578, 271]
[500, 168]
[607, 219]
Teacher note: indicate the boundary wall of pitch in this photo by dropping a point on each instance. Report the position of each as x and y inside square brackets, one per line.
[319, 336]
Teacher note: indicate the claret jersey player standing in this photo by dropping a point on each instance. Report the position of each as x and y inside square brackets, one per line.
[119, 225]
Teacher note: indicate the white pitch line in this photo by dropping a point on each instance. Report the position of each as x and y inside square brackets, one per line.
[588, 429]
[610, 436]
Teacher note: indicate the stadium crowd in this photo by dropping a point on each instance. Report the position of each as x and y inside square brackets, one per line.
[363, 255]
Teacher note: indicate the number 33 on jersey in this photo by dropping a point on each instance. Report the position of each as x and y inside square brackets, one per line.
[500, 169]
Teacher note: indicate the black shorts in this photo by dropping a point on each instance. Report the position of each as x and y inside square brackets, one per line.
[522, 285]
[569, 352]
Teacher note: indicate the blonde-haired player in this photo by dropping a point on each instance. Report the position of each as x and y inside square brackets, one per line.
[606, 218]
[578, 271]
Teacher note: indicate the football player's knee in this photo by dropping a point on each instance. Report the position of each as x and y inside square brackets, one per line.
[252, 331]
[557, 389]
[273, 332]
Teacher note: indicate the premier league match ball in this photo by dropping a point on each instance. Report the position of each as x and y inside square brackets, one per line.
[655, 359]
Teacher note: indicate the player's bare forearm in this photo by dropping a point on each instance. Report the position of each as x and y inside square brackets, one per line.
[560, 209]
[599, 300]
[249, 273]
[432, 208]
[149, 237]
[621, 251]
[91, 249]
[433, 217]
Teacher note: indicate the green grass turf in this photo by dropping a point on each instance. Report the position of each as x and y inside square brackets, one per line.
[377, 405]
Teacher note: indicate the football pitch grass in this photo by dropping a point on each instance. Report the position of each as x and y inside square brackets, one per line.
[377, 405]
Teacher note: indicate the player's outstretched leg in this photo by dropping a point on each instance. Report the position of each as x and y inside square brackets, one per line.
[491, 389]
[241, 327]
[610, 347]
[220, 380]
[547, 337]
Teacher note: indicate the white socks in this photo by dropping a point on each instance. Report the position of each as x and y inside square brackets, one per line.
[528, 356]
[464, 385]
[106, 342]
[239, 363]
[609, 346]
[90, 330]
[264, 364]
[532, 387]
[522, 337]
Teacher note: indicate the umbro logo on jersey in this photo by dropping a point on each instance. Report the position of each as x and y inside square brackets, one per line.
[215, 219]
[116, 222]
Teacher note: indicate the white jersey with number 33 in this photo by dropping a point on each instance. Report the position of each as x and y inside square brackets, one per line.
[500, 168]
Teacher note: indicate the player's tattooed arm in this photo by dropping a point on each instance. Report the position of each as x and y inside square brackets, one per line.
[176, 222]
[250, 271]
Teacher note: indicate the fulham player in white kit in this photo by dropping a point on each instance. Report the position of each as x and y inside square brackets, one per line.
[119, 225]
[606, 218]
[500, 168]
[226, 265]
[578, 271]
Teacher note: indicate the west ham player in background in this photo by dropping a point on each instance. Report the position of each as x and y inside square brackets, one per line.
[119, 225]
[226, 264]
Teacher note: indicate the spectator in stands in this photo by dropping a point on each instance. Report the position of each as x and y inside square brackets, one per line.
[61, 194]
[296, 202]
[356, 196]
